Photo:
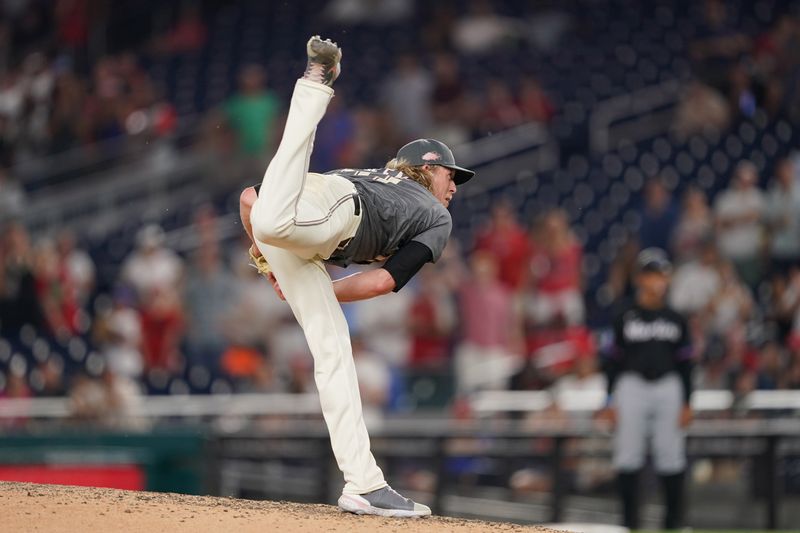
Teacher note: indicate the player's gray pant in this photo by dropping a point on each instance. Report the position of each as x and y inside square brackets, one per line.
[649, 410]
[298, 220]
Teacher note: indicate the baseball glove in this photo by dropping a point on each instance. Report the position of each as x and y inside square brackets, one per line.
[260, 264]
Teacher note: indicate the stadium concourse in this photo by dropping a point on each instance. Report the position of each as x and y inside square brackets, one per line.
[126, 134]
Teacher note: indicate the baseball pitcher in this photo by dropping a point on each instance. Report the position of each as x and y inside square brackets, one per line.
[298, 221]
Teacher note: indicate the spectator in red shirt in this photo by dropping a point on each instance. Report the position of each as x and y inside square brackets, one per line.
[507, 241]
[56, 291]
[554, 310]
[554, 351]
[162, 328]
[187, 36]
[554, 289]
[431, 322]
[72, 23]
[489, 352]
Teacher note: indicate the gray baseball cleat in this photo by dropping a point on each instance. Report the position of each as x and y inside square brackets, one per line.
[324, 61]
[382, 502]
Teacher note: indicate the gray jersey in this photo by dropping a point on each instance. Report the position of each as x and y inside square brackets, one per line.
[395, 210]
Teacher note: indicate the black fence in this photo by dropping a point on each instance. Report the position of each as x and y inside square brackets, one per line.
[309, 474]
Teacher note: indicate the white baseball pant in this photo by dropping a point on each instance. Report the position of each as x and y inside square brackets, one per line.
[298, 220]
[649, 410]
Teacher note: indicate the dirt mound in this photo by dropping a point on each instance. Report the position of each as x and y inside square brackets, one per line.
[54, 508]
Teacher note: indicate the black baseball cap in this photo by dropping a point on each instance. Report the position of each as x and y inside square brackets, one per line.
[433, 152]
[653, 260]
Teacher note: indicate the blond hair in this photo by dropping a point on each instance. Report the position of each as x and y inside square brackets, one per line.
[418, 174]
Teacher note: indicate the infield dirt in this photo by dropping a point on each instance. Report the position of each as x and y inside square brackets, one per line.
[57, 508]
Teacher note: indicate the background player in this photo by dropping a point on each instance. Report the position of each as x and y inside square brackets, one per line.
[649, 385]
[299, 219]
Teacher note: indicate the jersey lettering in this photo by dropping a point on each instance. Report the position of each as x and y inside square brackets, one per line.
[659, 330]
[394, 180]
[382, 175]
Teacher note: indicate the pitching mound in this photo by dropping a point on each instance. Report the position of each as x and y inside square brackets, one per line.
[54, 508]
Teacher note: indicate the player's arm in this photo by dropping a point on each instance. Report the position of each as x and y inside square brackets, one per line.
[363, 285]
[612, 363]
[246, 201]
[393, 276]
[684, 362]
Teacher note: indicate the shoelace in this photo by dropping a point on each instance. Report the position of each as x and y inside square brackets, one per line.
[315, 72]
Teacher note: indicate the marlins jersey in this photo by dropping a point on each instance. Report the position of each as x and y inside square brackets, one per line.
[394, 211]
[651, 343]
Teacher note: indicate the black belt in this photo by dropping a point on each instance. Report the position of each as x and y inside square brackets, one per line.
[356, 212]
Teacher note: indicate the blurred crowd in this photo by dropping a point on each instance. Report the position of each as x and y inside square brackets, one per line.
[504, 311]
[505, 308]
[56, 94]
[736, 74]
[418, 95]
[60, 89]
[736, 277]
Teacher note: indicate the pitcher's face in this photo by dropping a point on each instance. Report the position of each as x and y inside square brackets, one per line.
[443, 185]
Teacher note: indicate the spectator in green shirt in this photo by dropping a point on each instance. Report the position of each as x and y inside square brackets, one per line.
[252, 112]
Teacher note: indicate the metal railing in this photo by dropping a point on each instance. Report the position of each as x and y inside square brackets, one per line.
[500, 157]
[99, 207]
[635, 116]
[202, 406]
[76, 163]
[94, 189]
[484, 404]
[490, 402]
[432, 444]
